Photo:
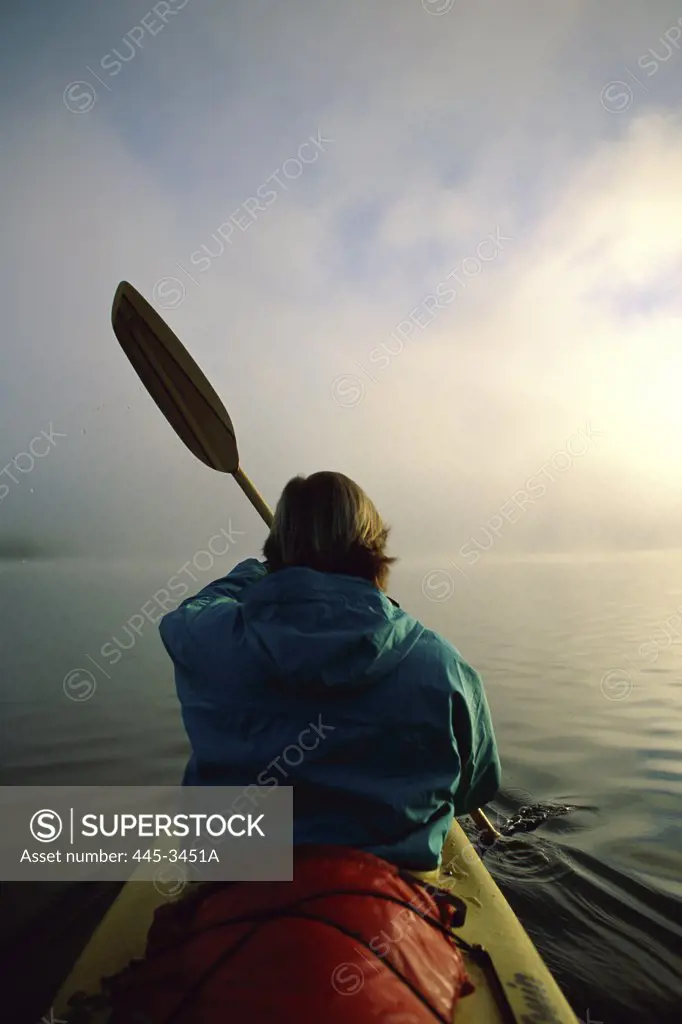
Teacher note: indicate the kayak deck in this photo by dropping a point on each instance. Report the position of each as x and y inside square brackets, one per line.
[509, 976]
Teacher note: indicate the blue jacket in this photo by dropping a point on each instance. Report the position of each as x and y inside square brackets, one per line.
[321, 682]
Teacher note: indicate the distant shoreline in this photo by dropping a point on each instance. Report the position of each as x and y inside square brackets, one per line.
[420, 561]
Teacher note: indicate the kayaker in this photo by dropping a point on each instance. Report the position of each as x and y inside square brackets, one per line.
[398, 733]
[398, 740]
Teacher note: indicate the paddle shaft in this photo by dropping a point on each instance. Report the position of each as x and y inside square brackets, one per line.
[482, 822]
[254, 496]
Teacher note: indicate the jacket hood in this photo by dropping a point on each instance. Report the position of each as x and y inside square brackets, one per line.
[325, 630]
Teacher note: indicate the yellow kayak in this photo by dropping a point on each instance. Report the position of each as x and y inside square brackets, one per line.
[512, 982]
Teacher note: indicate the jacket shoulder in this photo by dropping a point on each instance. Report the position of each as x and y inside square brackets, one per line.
[441, 664]
[435, 648]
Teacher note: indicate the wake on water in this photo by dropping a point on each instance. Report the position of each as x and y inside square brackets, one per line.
[528, 818]
[513, 860]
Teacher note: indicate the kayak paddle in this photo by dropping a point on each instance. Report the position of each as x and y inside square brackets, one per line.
[179, 388]
[191, 406]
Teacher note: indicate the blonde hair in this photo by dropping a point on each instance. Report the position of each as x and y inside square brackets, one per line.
[326, 522]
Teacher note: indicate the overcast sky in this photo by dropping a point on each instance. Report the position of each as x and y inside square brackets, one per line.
[477, 257]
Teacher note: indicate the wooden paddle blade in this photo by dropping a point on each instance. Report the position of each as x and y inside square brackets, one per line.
[173, 379]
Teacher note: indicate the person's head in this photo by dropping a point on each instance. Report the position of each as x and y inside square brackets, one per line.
[326, 522]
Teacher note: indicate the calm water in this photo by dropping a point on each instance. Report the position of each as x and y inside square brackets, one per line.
[584, 677]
